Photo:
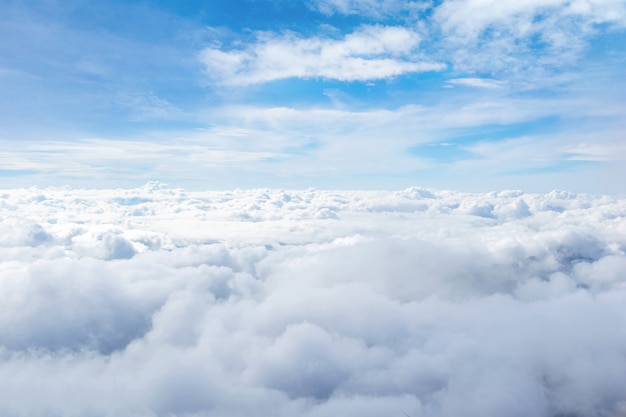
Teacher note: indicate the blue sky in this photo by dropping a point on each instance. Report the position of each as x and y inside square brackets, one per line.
[473, 95]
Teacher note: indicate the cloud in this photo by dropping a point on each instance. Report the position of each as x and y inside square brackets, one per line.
[419, 302]
[369, 53]
[492, 132]
[494, 36]
[477, 82]
[526, 17]
[488, 133]
[524, 39]
[596, 152]
[149, 106]
[371, 8]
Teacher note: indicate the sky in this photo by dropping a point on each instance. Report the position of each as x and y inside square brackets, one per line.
[160, 301]
[472, 95]
[313, 208]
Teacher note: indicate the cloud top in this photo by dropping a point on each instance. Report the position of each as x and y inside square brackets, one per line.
[159, 301]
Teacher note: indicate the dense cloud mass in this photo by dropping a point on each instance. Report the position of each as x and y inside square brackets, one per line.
[163, 302]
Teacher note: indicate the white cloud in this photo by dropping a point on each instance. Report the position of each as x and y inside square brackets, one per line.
[611, 151]
[510, 36]
[297, 146]
[149, 106]
[477, 82]
[372, 8]
[522, 39]
[246, 302]
[370, 53]
[289, 146]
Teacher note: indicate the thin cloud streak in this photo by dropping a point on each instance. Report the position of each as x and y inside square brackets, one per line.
[276, 142]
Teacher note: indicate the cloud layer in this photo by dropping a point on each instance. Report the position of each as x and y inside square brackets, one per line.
[159, 301]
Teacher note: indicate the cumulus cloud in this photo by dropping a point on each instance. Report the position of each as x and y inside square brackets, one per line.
[369, 53]
[420, 302]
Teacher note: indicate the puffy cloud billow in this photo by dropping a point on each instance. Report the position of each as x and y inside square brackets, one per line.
[163, 302]
[369, 53]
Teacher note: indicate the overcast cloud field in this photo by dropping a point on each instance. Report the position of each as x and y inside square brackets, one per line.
[157, 301]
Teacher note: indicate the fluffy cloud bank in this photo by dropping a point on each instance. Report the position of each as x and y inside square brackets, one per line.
[158, 301]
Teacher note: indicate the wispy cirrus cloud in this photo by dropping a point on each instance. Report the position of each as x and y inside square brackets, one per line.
[470, 19]
[369, 53]
[481, 134]
[513, 36]
[522, 41]
[477, 82]
[371, 8]
[149, 106]
[493, 36]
